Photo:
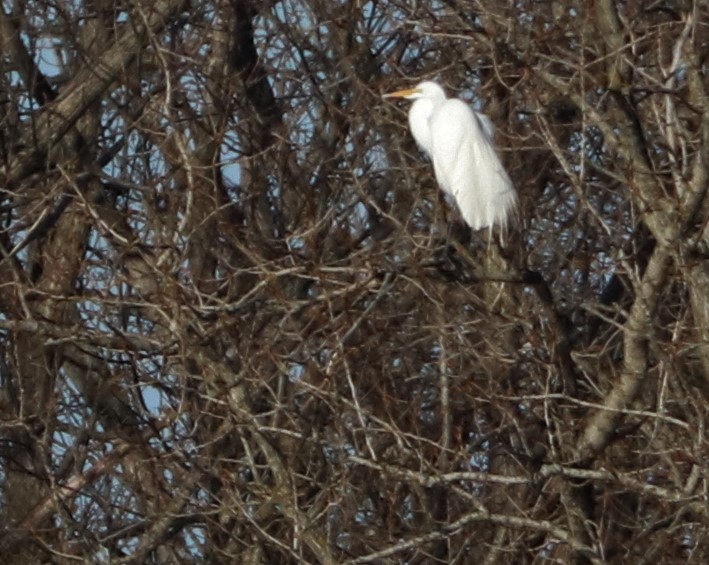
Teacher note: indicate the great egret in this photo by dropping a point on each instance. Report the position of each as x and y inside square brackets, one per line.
[459, 141]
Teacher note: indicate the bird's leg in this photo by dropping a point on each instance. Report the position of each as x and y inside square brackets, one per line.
[443, 206]
[441, 236]
[440, 226]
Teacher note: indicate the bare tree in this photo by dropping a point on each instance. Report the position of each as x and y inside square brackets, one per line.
[240, 324]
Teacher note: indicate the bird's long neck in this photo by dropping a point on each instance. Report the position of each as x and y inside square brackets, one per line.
[419, 115]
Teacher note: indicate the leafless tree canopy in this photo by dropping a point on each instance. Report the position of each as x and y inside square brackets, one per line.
[239, 324]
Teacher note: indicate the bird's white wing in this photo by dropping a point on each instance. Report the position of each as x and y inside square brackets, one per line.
[467, 166]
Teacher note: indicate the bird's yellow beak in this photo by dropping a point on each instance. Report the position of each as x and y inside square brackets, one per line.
[401, 93]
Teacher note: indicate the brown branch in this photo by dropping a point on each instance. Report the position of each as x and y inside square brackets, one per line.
[244, 59]
[14, 49]
[638, 330]
[474, 517]
[628, 480]
[16, 534]
[86, 88]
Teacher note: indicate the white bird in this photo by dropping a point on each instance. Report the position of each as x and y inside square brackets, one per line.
[459, 141]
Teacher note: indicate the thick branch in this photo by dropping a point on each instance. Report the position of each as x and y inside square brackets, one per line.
[86, 88]
[20, 532]
[12, 47]
[638, 328]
